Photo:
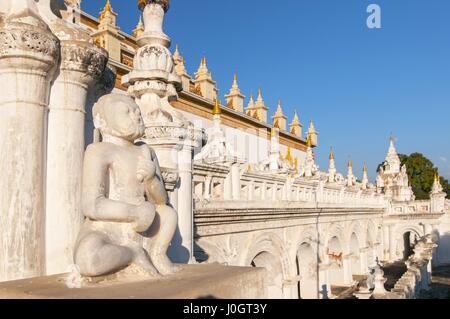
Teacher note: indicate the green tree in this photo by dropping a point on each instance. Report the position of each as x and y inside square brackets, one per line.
[421, 172]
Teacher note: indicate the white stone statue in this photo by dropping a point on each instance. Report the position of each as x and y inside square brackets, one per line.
[124, 198]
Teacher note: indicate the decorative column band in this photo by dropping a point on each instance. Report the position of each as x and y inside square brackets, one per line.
[162, 3]
[18, 39]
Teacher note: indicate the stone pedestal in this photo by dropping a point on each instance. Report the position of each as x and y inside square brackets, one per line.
[81, 64]
[192, 282]
[28, 52]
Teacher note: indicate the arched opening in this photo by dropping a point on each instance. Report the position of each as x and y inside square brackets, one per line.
[410, 240]
[307, 271]
[336, 270]
[355, 256]
[274, 271]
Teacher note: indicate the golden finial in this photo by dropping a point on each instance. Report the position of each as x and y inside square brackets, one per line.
[259, 93]
[235, 77]
[296, 164]
[108, 6]
[331, 154]
[204, 61]
[249, 168]
[436, 176]
[139, 28]
[349, 164]
[216, 109]
[365, 167]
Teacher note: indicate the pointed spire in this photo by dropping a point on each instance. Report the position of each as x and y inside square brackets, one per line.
[217, 110]
[108, 7]
[176, 55]
[295, 120]
[311, 126]
[259, 94]
[139, 28]
[349, 164]
[331, 154]
[365, 168]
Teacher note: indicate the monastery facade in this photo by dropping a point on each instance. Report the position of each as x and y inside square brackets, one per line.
[246, 189]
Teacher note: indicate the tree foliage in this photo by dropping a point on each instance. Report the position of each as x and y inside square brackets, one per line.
[421, 173]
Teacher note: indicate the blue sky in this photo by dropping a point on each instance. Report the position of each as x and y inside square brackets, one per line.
[319, 57]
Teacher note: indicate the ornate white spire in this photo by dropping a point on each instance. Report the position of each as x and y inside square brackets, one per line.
[365, 179]
[392, 161]
[260, 109]
[279, 119]
[312, 133]
[331, 168]
[437, 186]
[310, 165]
[351, 180]
[296, 126]
[250, 106]
[203, 72]
[235, 99]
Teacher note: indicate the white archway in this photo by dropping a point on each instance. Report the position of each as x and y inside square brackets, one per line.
[267, 252]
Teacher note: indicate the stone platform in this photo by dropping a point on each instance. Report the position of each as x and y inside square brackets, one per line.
[193, 282]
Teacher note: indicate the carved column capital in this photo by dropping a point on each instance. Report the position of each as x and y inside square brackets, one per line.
[28, 46]
[85, 58]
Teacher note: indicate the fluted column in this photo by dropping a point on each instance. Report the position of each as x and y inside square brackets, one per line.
[28, 54]
[185, 204]
[81, 64]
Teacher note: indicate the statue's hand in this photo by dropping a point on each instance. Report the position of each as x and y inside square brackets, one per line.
[146, 169]
[144, 215]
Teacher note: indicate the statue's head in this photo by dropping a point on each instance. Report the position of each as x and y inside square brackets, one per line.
[118, 115]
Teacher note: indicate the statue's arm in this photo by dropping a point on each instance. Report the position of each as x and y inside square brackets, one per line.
[95, 204]
[154, 188]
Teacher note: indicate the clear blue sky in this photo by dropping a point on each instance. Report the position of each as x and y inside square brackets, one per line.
[319, 57]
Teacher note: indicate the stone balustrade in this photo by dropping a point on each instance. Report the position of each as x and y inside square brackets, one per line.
[417, 278]
[215, 183]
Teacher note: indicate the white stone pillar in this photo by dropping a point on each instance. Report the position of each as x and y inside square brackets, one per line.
[81, 64]
[392, 244]
[347, 265]
[236, 181]
[185, 204]
[28, 53]
[363, 260]
[385, 242]
[324, 288]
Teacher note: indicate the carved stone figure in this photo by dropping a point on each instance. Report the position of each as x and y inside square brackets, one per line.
[124, 198]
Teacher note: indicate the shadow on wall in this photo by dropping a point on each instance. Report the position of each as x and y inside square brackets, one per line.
[177, 252]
